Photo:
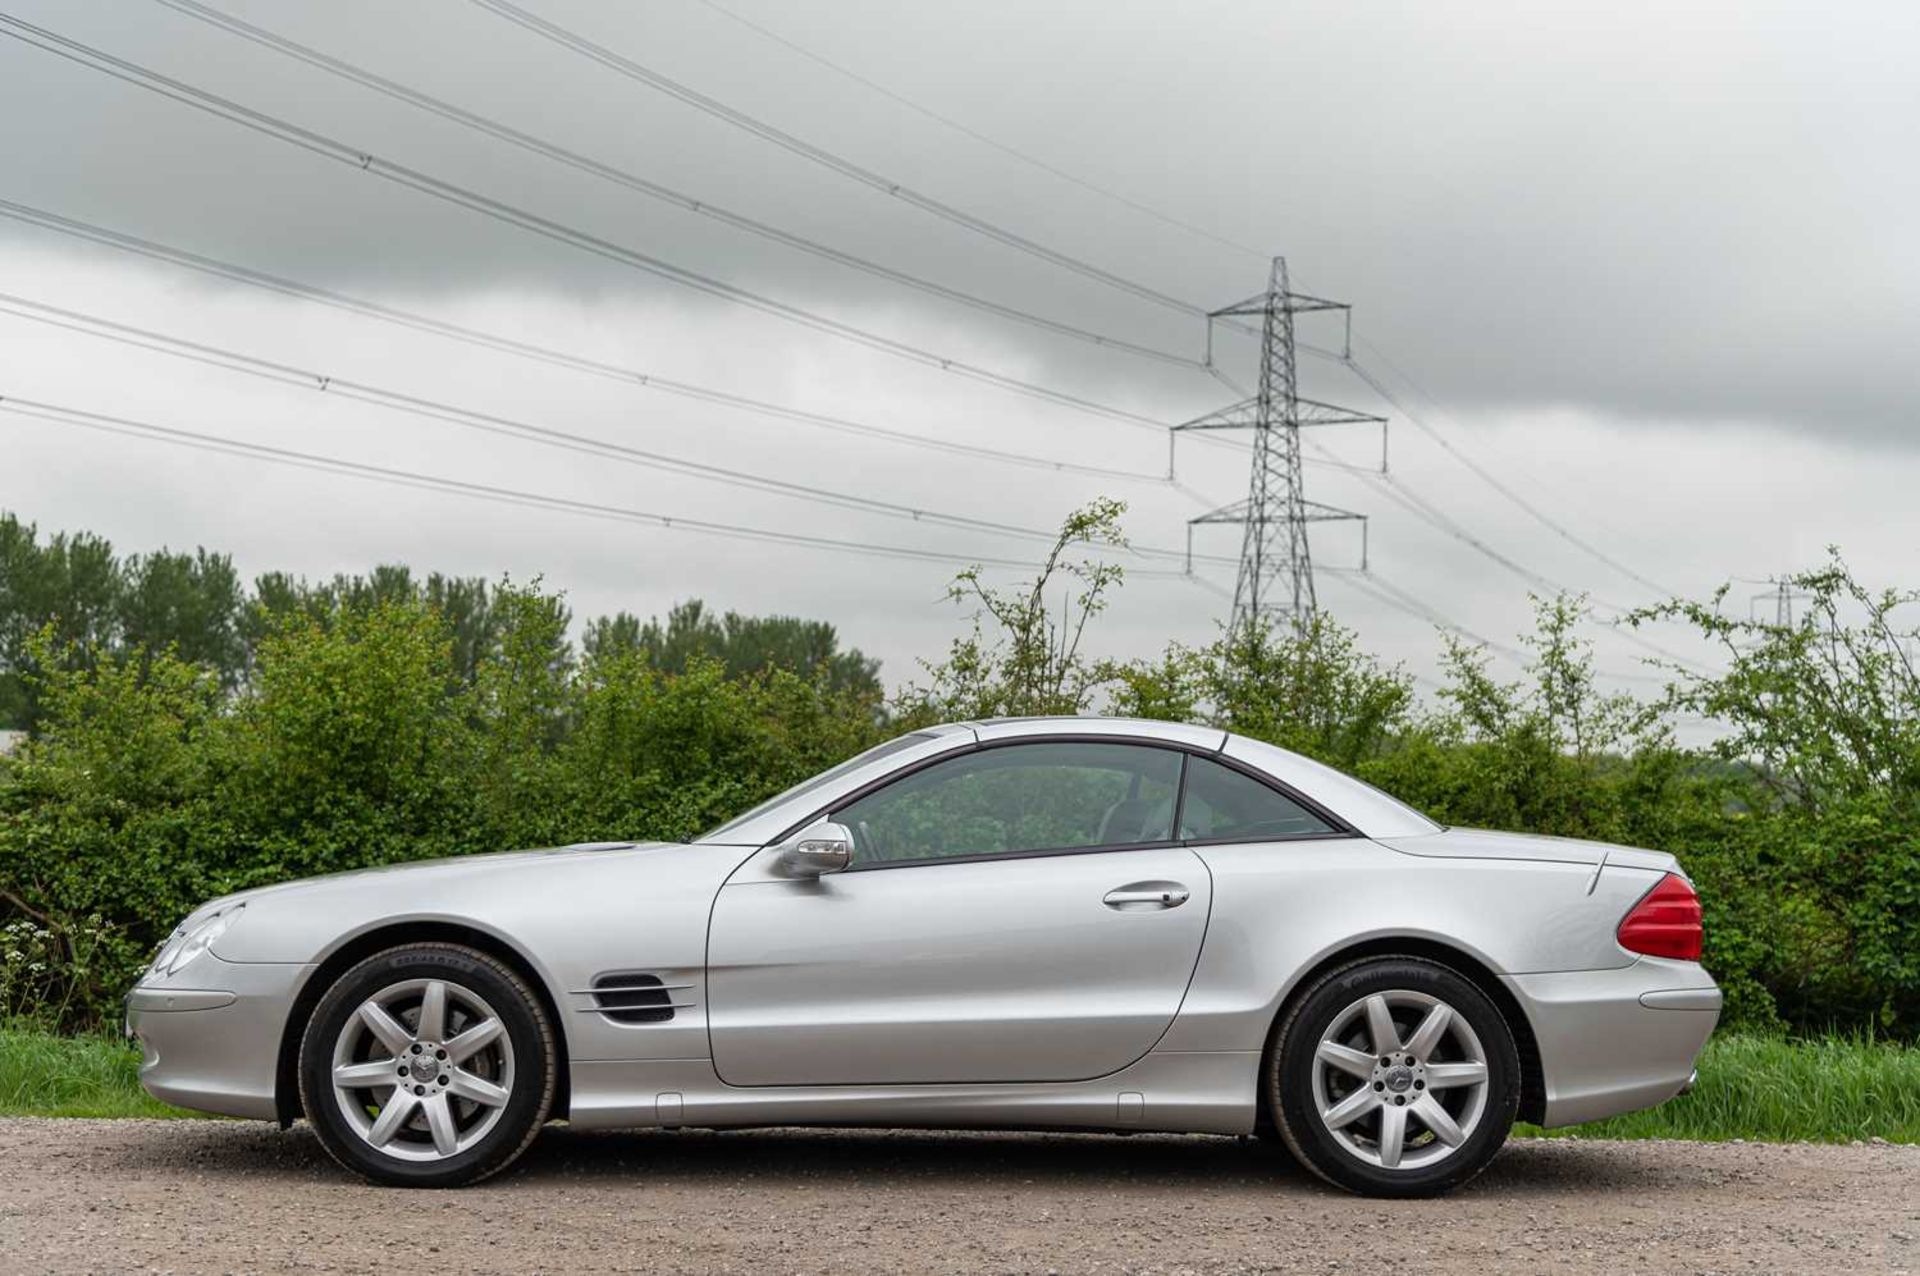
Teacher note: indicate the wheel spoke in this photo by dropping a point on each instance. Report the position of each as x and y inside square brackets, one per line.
[433, 1013]
[374, 1072]
[479, 1089]
[445, 1074]
[1351, 1109]
[400, 1106]
[1393, 1135]
[1431, 1029]
[1447, 1076]
[1439, 1120]
[1353, 1062]
[1386, 1038]
[446, 1139]
[391, 1032]
[462, 1047]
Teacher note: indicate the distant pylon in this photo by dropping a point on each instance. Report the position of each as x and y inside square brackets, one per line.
[1276, 562]
[1783, 596]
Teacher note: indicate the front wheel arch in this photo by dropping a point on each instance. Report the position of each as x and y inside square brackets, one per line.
[1533, 1085]
[286, 1084]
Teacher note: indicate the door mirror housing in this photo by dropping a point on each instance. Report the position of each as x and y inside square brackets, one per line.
[819, 849]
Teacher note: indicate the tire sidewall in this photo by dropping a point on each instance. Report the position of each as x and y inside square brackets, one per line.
[526, 1028]
[1289, 1076]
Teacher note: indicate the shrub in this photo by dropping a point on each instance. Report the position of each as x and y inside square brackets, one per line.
[379, 721]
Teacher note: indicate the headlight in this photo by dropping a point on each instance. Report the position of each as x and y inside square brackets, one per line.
[189, 942]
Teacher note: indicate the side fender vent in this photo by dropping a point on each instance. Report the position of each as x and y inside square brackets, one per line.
[626, 997]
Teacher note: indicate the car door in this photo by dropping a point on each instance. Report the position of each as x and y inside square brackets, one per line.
[1016, 913]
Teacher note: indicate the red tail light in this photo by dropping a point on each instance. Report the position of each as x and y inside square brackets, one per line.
[1665, 923]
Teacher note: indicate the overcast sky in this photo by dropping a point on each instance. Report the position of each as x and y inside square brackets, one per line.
[1649, 265]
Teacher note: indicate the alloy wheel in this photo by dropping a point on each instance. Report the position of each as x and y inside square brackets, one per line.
[423, 1069]
[1400, 1080]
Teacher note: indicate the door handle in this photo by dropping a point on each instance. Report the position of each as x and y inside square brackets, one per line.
[1145, 895]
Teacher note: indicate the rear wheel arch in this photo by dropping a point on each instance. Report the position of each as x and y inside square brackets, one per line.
[286, 1087]
[1533, 1090]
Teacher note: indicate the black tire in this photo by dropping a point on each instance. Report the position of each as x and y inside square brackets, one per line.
[527, 1030]
[1288, 1078]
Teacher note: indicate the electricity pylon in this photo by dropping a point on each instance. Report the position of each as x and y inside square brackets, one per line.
[1276, 563]
[1783, 596]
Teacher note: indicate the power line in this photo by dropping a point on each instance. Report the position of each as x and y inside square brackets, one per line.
[654, 190]
[1366, 582]
[1381, 590]
[544, 354]
[1015, 152]
[399, 174]
[632, 70]
[1402, 495]
[546, 436]
[1385, 591]
[1493, 481]
[315, 143]
[625, 66]
[488, 492]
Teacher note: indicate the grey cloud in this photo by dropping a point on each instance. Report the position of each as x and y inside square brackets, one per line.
[1633, 208]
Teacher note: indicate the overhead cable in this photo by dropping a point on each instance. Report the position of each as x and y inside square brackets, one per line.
[414, 179]
[655, 190]
[285, 286]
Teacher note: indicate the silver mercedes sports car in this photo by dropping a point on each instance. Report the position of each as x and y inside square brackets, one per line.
[1083, 923]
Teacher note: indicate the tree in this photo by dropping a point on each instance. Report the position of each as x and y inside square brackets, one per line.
[1031, 665]
[191, 604]
[71, 583]
[462, 601]
[743, 645]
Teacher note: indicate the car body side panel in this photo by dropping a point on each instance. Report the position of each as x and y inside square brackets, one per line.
[1004, 970]
[1207, 1093]
[573, 915]
[1608, 1041]
[1280, 908]
[1484, 844]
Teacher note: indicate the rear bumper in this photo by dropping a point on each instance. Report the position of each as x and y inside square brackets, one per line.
[1614, 1041]
[213, 1042]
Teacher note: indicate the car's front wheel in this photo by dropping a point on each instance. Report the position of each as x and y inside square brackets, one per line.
[427, 1065]
[1393, 1076]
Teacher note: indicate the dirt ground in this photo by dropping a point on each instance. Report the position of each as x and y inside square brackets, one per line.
[209, 1196]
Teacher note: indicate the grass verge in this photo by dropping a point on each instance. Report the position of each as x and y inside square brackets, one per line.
[97, 1076]
[1783, 1090]
[1769, 1089]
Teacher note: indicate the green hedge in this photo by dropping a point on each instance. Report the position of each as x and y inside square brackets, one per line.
[369, 727]
[149, 789]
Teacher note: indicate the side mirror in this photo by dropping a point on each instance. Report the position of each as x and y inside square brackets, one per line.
[820, 848]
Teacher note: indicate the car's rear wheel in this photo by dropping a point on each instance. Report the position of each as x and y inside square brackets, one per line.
[427, 1065]
[1393, 1076]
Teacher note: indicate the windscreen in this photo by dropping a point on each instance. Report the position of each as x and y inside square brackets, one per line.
[877, 752]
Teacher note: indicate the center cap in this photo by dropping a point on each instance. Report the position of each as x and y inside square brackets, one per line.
[1399, 1079]
[424, 1067]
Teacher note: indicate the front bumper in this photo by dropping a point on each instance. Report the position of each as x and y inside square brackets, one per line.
[1614, 1041]
[210, 1036]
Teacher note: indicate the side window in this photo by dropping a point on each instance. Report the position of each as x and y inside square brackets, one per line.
[1222, 803]
[1023, 797]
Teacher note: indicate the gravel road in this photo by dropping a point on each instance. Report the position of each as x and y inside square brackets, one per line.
[211, 1196]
